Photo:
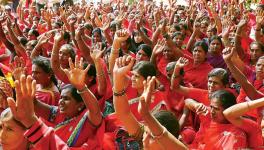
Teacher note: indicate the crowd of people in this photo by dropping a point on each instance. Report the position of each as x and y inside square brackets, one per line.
[132, 75]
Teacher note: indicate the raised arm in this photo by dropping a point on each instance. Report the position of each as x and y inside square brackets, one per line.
[76, 75]
[260, 23]
[176, 77]
[20, 50]
[250, 90]
[96, 54]
[38, 48]
[55, 60]
[234, 113]
[240, 29]
[120, 36]
[85, 49]
[122, 66]
[158, 132]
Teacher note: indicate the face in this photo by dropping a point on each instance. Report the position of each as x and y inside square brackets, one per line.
[31, 36]
[64, 55]
[260, 69]
[141, 56]
[199, 54]
[178, 40]
[68, 105]
[215, 47]
[167, 53]
[39, 75]
[203, 27]
[169, 73]
[137, 80]
[209, 33]
[12, 135]
[138, 38]
[97, 37]
[217, 111]
[149, 143]
[214, 83]
[255, 52]
[112, 31]
[29, 48]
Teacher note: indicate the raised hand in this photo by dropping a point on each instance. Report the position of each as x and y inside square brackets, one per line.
[97, 51]
[58, 37]
[122, 66]
[227, 25]
[146, 97]
[158, 48]
[121, 35]
[260, 17]
[23, 108]
[228, 53]
[76, 74]
[182, 62]
[79, 32]
[106, 24]
[45, 38]
[18, 67]
[201, 109]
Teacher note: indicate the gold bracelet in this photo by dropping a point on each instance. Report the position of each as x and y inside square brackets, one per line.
[157, 137]
[100, 74]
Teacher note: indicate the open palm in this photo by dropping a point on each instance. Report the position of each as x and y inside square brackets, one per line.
[76, 74]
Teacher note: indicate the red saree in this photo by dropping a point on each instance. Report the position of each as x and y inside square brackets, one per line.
[48, 97]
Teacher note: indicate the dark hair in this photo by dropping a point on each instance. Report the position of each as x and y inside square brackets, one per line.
[34, 32]
[226, 98]
[7, 114]
[73, 91]
[177, 33]
[44, 64]
[215, 37]
[146, 48]
[23, 40]
[113, 25]
[91, 72]
[97, 30]
[261, 46]
[202, 44]
[145, 69]
[71, 50]
[221, 73]
[88, 26]
[169, 121]
[67, 36]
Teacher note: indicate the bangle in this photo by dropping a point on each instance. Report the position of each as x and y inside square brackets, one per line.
[100, 74]
[83, 90]
[122, 93]
[157, 137]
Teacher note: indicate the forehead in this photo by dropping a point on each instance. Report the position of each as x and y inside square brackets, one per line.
[198, 48]
[66, 92]
[215, 103]
[215, 79]
[260, 61]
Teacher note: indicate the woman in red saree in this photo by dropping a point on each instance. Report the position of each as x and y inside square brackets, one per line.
[27, 132]
[47, 91]
[218, 131]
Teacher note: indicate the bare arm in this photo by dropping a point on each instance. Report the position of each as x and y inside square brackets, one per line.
[250, 90]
